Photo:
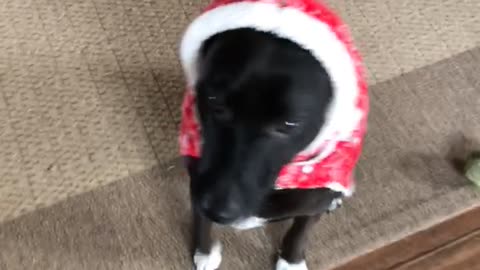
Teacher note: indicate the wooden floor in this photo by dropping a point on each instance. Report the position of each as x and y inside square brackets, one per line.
[454, 244]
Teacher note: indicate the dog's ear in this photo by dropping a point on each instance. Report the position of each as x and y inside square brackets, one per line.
[191, 164]
[207, 48]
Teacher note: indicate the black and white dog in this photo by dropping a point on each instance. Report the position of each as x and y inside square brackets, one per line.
[272, 121]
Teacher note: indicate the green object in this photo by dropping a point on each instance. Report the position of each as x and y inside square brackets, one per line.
[472, 168]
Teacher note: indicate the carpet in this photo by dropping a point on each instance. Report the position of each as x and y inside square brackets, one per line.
[89, 109]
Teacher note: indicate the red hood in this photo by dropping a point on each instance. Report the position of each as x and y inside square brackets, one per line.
[331, 157]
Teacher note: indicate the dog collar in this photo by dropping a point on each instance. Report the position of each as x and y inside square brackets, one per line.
[329, 160]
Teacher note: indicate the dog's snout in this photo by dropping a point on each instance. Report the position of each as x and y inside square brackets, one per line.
[220, 211]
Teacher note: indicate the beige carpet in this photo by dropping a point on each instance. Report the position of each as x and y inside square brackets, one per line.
[89, 108]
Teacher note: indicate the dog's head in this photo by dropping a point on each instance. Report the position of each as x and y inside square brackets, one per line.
[261, 100]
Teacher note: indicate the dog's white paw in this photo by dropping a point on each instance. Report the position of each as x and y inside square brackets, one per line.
[336, 203]
[209, 261]
[284, 265]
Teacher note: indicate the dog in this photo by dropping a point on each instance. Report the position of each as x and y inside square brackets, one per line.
[256, 132]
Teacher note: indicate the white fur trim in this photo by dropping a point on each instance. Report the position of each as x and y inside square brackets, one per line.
[339, 188]
[293, 24]
[347, 192]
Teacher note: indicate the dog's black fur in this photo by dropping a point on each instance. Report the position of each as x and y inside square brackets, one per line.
[261, 100]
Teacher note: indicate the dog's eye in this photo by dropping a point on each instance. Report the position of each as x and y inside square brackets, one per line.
[218, 109]
[284, 129]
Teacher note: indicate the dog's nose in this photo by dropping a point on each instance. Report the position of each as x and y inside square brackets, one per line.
[221, 217]
[223, 212]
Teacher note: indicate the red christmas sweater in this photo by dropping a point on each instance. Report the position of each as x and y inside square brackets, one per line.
[330, 159]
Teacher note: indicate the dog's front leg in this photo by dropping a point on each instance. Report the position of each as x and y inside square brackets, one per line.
[306, 206]
[207, 255]
[292, 254]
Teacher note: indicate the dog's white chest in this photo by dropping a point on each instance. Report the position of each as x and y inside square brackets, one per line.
[248, 223]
